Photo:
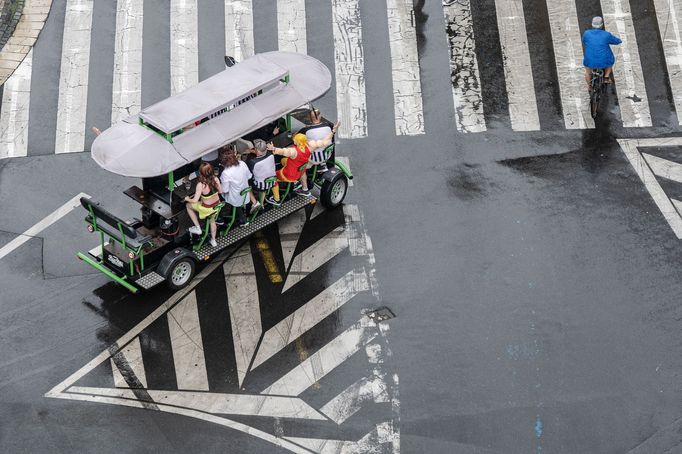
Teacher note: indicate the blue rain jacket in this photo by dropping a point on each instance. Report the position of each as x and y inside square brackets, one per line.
[597, 45]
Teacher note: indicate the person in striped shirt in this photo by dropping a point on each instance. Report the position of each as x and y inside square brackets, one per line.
[262, 165]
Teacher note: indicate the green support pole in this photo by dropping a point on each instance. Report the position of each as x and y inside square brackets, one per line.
[107, 272]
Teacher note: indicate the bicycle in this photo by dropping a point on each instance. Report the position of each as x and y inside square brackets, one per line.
[597, 89]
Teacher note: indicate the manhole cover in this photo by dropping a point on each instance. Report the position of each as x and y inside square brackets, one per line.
[381, 314]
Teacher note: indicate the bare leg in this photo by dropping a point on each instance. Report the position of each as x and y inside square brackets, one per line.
[192, 215]
[607, 73]
[214, 229]
[588, 76]
[304, 181]
[253, 198]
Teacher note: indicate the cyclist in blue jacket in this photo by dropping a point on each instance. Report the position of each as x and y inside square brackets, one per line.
[598, 53]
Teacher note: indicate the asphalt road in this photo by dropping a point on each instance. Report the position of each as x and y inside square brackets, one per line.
[534, 279]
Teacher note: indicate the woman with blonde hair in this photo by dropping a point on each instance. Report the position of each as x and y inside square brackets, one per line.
[296, 156]
[202, 205]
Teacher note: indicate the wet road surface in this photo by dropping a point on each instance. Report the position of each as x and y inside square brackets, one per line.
[534, 277]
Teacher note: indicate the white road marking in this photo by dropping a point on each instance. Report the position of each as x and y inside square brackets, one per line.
[244, 303]
[632, 97]
[219, 403]
[669, 170]
[73, 80]
[568, 53]
[407, 89]
[464, 76]
[43, 224]
[291, 26]
[518, 71]
[382, 433]
[187, 345]
[322, 251]
[184, 45]
[239, 29]
[290, 230]
[630, 148]
[127, 84]
[16, 97]
[667, 13]
[349, 61]
[310, 314]
[352, 399]
[132, 355]
[324, 360]
[131, 402]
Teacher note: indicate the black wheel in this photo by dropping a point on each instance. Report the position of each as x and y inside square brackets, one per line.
[595, 97]
[334, 190]
[180, 273]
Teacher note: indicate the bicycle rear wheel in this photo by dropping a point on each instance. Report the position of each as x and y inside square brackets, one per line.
[595, 97]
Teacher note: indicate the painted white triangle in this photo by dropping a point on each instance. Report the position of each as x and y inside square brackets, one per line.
[670, 170]
[289, 233]
[631, 149]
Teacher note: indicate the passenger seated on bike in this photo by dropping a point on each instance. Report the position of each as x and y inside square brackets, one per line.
[204, 201]
[598, 53]
[234, 179]
[262, 165]
[318, 129]
[297, 156]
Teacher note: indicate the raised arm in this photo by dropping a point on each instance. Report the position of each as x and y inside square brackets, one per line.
[197, 194]
[327, 140]
[286, 152]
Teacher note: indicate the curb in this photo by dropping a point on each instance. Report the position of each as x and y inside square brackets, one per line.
[28, 27]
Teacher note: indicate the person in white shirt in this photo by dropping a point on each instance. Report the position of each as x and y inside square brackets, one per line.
[318, 130]
[233, 180]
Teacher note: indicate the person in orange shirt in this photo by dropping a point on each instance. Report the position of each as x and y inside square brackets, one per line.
[296, 156]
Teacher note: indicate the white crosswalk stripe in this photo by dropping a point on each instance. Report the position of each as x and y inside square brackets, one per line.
[291, 26]
[464, 74]
[184, 62]
[568, 52]
[127, 83]
[523, 108]
[347, 42]
[632, 97]
[16, 97]
[239, 29]
[73, 81]
[669, 15]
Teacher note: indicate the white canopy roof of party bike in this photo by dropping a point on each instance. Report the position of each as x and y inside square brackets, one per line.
[229, 105]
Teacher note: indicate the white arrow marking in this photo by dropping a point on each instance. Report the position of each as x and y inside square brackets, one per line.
[310, 314]
[132, 355]
[630, 148]
[664, 168]
[351, 399]
[42, 225]
[289, 233]
[242, 296]
[218, 403]
[316, 255]
[187, 346]
[325, 359]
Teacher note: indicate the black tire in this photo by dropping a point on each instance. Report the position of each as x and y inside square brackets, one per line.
[180, 273]
[334, 190]
[594, 102]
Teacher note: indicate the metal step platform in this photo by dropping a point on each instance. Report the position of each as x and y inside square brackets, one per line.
[262, 220]
[149, 280]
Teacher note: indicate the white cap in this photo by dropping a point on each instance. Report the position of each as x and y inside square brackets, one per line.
[597, 22]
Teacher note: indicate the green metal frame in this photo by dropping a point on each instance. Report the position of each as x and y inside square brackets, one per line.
[270, 182]
[95, 264]
[137, 252]
[207, 226]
